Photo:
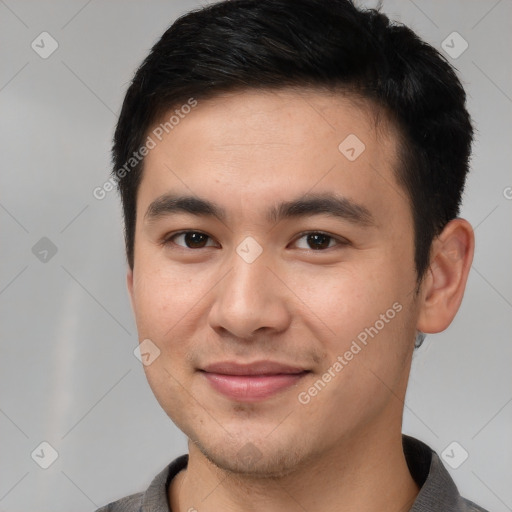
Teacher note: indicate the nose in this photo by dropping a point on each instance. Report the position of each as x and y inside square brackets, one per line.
[250, 299]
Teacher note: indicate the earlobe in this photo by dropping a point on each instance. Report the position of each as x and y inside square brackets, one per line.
[443, 286]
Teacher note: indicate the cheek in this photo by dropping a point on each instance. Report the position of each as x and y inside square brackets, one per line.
[366, 357]
[368, 319]
[347, 301]
[161, 299]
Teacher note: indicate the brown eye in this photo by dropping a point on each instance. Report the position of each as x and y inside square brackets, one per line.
[316, 241]
[191, 239]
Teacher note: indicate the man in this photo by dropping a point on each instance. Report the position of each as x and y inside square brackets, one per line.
[291, 173]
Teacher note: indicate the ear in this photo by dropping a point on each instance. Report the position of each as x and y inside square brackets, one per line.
[444, 283]
[129, 285]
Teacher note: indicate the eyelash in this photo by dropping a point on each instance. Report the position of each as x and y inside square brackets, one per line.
[339, 241]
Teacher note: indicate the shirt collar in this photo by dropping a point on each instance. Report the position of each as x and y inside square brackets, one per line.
[438, 492]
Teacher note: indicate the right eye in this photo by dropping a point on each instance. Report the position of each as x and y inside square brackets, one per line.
[190, 240]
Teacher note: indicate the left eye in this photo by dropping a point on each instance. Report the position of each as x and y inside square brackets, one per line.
[317, 241]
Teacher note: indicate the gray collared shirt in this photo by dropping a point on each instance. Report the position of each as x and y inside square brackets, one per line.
[438, 492]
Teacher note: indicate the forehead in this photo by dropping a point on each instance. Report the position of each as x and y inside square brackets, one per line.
[249, 147]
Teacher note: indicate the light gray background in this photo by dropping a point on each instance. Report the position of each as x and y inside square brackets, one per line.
[68, 373]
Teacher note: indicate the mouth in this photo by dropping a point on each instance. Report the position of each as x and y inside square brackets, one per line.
[252, 382]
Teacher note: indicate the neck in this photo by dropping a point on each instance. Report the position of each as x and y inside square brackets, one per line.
[366, 472]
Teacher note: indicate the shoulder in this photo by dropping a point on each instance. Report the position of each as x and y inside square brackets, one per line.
[132, 503]
[154, 498]
[438, 492]
[469, 506]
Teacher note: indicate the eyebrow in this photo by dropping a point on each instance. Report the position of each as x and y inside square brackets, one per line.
[303, 206]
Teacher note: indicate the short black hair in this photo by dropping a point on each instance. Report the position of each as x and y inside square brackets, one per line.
[329, 44]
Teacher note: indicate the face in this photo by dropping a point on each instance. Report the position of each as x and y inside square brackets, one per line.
[274, 271]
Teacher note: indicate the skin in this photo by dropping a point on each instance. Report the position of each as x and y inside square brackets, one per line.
[247, 151]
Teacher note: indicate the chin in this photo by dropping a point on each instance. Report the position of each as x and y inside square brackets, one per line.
[258, 459]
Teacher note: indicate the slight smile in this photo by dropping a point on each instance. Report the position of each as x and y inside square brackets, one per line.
[252, 382]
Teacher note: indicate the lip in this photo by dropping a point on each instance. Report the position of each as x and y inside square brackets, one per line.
[251, 382]
[255, 368]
